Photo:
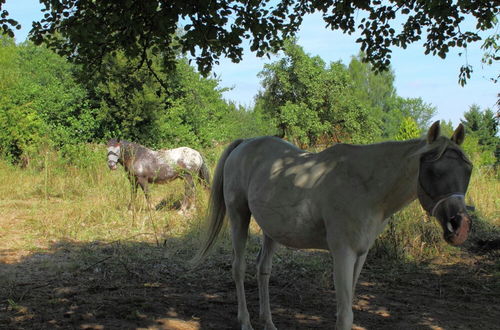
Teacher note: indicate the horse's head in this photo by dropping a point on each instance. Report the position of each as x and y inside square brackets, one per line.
[114, 147]
[442, 182]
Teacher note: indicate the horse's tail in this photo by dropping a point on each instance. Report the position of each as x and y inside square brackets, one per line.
[204, 173]
[216, 207]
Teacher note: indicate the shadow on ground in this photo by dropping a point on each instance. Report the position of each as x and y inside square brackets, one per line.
[130, 285]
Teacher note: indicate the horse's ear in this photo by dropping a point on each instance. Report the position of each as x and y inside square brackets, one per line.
[434, 132]
[459, 135]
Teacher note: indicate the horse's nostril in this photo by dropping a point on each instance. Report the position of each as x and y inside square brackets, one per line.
[453, 222]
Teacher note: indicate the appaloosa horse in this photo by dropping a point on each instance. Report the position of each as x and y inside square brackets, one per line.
[338, 200]
[145, 166]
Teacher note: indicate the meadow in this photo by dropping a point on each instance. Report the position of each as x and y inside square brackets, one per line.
[72, 255]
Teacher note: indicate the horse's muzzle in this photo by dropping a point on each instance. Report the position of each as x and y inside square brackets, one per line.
[457, 228]
[112, 166]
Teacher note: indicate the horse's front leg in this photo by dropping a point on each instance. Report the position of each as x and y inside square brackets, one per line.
[358, 265]
[134, 185]
[344, 261]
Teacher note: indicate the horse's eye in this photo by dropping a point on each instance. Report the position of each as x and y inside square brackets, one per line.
[431, 156]
[452, 154]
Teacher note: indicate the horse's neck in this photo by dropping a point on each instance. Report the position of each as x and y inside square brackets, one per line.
[129, 152]
[387, 172]
[398, 168]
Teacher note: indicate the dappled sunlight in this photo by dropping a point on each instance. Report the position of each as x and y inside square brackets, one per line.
[305, 320]
[136, 284]
[98, 285]
[306, 174]
[175, 324]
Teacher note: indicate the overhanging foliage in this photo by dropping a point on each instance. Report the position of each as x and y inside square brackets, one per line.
[87, 30]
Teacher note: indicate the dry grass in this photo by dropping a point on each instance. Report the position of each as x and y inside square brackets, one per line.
[68, 203]
[54, 201]
[484, 194]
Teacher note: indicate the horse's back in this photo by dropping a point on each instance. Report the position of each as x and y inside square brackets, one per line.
[264, 149]
[183, 157]
[266, 174]
[254, 158]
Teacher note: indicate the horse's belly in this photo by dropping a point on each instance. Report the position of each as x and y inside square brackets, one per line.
[292, 226]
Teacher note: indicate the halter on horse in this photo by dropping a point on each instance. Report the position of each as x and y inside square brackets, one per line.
[338, 200]
[146, 166]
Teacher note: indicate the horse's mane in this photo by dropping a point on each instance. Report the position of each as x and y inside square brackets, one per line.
[133, 147]
[127, 146]
[430, 152]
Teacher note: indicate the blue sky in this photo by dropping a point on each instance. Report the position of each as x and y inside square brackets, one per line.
[417, 75]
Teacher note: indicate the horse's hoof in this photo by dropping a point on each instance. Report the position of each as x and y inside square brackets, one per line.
[186, 211]
[246, 327]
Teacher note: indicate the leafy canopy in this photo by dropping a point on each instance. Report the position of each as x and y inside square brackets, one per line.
[86, 30]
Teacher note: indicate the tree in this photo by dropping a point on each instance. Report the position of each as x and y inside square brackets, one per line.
[483, 125]
[400, 108]
[191, 112]
[491, 48]
[87, 30]
[40, 101]
[45, 101]
[377, 92]
[307, 100]
[408, 130]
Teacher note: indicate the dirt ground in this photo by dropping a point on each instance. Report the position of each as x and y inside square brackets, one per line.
[134, 285]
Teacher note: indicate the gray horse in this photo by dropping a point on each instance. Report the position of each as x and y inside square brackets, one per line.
[338, 200]
[146, 166]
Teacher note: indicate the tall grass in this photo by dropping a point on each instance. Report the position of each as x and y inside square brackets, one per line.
[72, 195]
[58, 199]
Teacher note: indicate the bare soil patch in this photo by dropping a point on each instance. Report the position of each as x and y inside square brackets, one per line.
[137, 285]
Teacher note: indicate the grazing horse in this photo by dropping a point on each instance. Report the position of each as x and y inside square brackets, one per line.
[338, 200]
[145, 166]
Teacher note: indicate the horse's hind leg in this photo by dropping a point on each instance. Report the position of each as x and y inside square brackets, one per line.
[189, 192]
[239, 218]
[264, 265]
[143, 182]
